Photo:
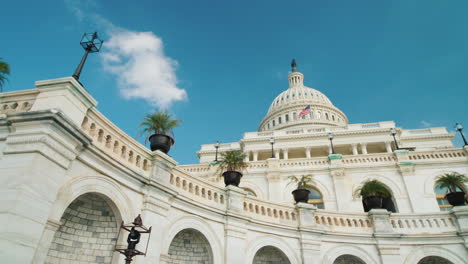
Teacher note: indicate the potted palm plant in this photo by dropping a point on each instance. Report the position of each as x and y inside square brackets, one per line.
[453, 182]
[231, 164]
[158, 126]
[373, 193]
[301, 194]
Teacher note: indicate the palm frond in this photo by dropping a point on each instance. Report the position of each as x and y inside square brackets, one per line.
[452, 181]
[160, 122]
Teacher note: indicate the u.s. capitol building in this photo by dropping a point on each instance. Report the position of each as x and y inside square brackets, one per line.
[69, 177]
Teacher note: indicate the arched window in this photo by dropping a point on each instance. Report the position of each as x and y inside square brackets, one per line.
[274, 123]
[249, 192]
[434, 260]
[387, 203]
[311, 115]
[319, 115]
[286, 118]
[315, 197]
[279, 120]
[440, 196]
[348, 259]
[294, 116]
[326, 116]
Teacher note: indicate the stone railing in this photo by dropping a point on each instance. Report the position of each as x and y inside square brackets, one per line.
[18, 101]
[198, 189]
[313, 162]
[113, 141]
[343, 222]
[369, 159]
[270, 212]
[437, 222]
[196, 168]
[430, 156]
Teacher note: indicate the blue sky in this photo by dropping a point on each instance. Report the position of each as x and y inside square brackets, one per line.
[219, 64]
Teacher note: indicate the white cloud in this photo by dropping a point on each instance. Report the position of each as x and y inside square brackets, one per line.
[136, 59]
[142, 70]
[425, 124]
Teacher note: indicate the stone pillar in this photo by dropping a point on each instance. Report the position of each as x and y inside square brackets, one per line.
[235, 228]
[364, 148]
[341, 183]
[307, 153]
[273, 177]
[247, 156]
[387, 241]
[310, 241]
[285, 154]
[412, 183]
[388, 146]
[355, 149]
[66, 95]
[277, 154]
[461, 216]
[46, 239]
[255, 156]
[33, 167]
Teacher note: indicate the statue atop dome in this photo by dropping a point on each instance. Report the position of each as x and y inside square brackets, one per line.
[294, 65]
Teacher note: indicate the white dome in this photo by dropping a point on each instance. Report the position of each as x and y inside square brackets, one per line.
[284, 110]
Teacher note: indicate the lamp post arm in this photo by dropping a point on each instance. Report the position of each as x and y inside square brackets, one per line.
[78, 70]
[463, 137]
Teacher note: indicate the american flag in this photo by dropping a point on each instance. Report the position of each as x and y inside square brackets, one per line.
[305, 111]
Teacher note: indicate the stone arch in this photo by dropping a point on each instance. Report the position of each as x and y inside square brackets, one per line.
[421, 252]
[434, 260]
[391, 204]
[429, 184]
[390, 183]
[318, 184]
[87, 233]
[270, 254]
[273, 241]
[100, 184]
[348, 259]
[198, 224]
[331, 255]
[257, 190]
[190, 246]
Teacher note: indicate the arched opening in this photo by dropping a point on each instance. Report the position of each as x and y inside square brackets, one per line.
[315, 197]
[434, 260]
[440, 196]
[348, 259]
[270, 255]
[87, 233]
[190, 246]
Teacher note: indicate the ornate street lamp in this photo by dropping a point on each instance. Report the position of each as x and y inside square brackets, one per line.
[216, 147]
[393, 132]
[135, 229]
[91, 43]
[272, 142]
[330, 137]
[459, 128]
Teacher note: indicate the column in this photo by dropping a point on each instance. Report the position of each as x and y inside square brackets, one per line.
[255, 155]
[235, 228]
[355, 149]
[310, 241]
[277, 154]
[364, 148]
[387, 240]
[285, 154]
[275, 190]
[388, 146]
[247, 156]
[307, 153]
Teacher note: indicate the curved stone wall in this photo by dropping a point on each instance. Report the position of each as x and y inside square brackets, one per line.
[270, 255]
[190, 246]
[87, 233]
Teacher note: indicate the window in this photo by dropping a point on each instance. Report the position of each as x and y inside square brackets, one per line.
[319, 115]
[268, 125]
[294, 116]
[333, 117]
[440, 196]
[273, 122]
[279, 120]
[286, 118]
[311, 115]
[326, 116]
[315, 197]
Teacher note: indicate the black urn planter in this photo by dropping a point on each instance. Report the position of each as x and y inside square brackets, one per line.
[301, 195]
[373, 202]
[455, 198]
[232, 178]
[161, 142]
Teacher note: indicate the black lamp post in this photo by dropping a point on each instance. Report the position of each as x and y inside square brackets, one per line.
[393, 131]
[135, 229]
[216, 147]
[272, 142]
[91, 43]
[459, 128]
[330, 137]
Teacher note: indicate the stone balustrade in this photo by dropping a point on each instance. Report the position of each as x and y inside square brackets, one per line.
[270, 212]
[343, 222]
[435, 155]
[437, 222]
[113, 141]
[18, 101]
[368, 159]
